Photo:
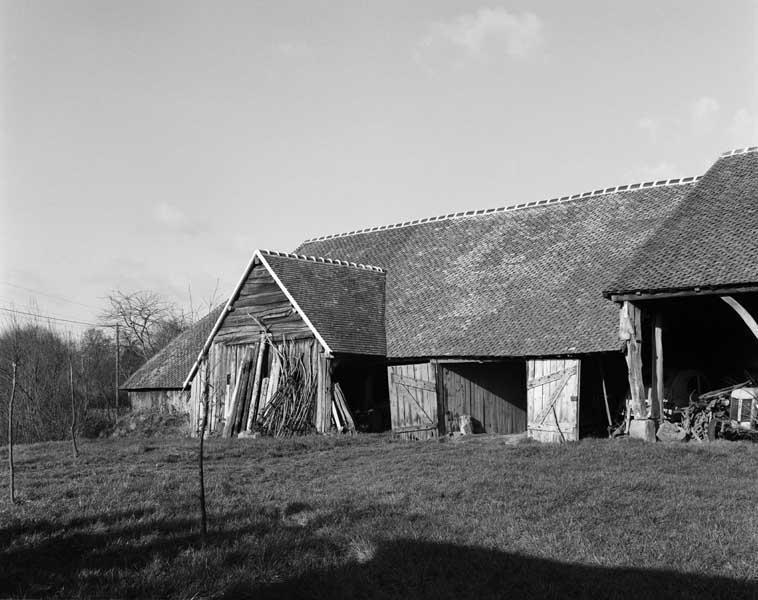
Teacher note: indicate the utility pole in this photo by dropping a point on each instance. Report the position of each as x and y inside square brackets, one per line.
[118, 365]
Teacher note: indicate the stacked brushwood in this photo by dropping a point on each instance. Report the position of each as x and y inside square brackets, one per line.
[702, 419]
[291, 409]
[707, 417]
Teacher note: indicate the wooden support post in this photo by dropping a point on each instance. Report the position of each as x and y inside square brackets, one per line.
[254, 398]
[656, 406]
[630, 329]
[441, 398]
[324, 396]
[605, 397]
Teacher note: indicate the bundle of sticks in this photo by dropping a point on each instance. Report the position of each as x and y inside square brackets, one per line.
[291, 409]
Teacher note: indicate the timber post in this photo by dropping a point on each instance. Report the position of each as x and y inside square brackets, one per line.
[630, 330]
[656, 388]
[324, 394]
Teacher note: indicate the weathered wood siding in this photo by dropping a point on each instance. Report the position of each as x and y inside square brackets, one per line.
[553, 399]
[413, 400]
[262, 298]
[224, 363]
[494, 394]
[160, 400]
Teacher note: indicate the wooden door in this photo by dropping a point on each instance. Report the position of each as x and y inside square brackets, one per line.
[552, 400]
[413, 400]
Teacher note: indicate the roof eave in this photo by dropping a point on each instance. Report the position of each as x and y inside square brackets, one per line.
[682, 292]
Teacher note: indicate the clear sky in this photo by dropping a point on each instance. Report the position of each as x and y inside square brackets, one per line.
[155, 144]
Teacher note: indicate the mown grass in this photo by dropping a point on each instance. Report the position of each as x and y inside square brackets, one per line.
[371, 517]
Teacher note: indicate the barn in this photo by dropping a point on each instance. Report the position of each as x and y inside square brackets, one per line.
[541, 317]
[157, 385]
[689, 294]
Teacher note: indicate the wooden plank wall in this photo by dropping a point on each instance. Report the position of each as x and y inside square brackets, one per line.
[494, 394]
[413, 400]
[261, 297]
[538, 397]
[225, 362]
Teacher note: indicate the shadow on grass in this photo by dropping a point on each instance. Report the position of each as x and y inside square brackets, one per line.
[112, 556]
[65, 556]
[413, 569]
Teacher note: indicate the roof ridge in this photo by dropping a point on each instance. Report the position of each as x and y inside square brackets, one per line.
[321, 259]
[736, 151]
[514, 207]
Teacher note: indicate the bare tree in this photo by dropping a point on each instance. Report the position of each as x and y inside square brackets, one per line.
[40, 354]
[148, 321]
[207, 305]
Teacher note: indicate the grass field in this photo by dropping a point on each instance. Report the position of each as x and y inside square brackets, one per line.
[371, 517]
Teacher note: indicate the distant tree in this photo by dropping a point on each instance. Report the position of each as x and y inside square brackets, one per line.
[41, 355]
[148, 321]
[98, 364]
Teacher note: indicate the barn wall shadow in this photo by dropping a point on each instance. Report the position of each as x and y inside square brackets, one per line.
[436, 571]
[66, 558]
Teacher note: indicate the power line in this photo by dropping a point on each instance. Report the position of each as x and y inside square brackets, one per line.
[21, 312]
[41, 293]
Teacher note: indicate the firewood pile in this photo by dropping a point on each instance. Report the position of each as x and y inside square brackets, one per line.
[292, 407]
[280, 399]
[709, 416]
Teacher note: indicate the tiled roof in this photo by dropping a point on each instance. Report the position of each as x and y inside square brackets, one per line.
[168, 368]
[521, 281]
[344, 301]
[710, 240]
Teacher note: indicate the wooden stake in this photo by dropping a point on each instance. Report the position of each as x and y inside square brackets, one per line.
[203, 514]
[12, 473]
[234, 412]
[255, 397]
[558, 425]
[342, 409]
[605, 397]
[73, 407]
[118, 363]
[273, 379]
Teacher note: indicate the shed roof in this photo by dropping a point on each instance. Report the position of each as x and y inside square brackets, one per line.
[521, 281]
[344, 302]
[709, 240]
[168, 368]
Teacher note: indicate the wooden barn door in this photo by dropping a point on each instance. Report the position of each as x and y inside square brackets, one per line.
[552, 400]
[413, 400]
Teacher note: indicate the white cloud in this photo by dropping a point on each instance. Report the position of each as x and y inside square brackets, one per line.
[174, 219]
[486, 33]
[744, 128]
[703, 112]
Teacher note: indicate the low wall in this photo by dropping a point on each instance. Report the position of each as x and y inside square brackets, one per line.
[160, 400]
